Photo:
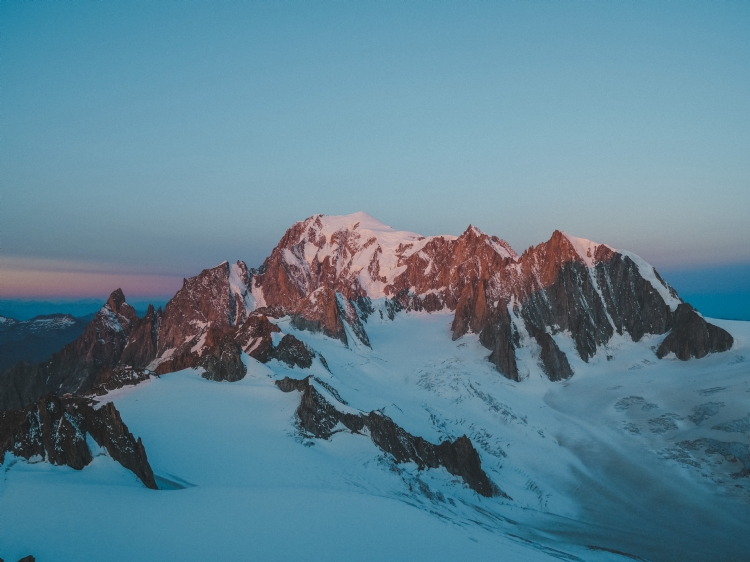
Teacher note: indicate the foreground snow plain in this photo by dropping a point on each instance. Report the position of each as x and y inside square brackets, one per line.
[609, 461]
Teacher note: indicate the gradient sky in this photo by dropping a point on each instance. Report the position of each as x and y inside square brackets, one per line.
[143, 142]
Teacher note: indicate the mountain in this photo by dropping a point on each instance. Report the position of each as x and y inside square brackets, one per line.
[329, 274]
[35, 340]
[482, 387]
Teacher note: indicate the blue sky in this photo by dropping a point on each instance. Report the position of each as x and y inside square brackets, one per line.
[142, 142]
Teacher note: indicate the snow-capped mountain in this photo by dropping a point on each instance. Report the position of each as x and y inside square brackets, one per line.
[478, 385]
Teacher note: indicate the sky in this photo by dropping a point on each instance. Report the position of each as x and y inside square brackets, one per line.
[141, 142]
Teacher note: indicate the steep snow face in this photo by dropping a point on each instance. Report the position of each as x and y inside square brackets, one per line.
[586, 249]
[648, 272]
[363, 252]
[359, 246]
[238, 288]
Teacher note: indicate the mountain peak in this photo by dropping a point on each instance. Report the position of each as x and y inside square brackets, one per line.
[354, 222]
[116, 300]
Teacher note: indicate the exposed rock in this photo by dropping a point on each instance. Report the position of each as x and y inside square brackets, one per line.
[287, 384]
[443, 267]
[21, 384]
[565, 284]
[319, 418]
[109, 431]
[218, 297]
[184, 359]
[324, 274]
[633, 303]
[254, 336]
[557, 291]
[120, 377]
[55, 429]
[141, 346]
[350, 314]
[554, 362]
[293, 352]
[472, 313]
[692, 336]
[320, 312]
[732, 452]
[80, 365]
[221, 359]
[500, 337]
[704, 411]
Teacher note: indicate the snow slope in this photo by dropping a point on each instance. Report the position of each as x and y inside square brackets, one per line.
[598, 462]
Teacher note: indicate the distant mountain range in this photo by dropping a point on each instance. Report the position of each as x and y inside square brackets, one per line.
[35, 340]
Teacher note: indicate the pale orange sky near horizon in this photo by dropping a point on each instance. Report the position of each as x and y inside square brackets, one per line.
[16, 284]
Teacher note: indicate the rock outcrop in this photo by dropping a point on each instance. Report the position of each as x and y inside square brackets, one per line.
[501, 338]
[141, 345]
[56, 429]
[691, 336]
[222, 357]
[219, 297]
[554, 362]
[83, 364]
[319, 418]
[293, 352]
[255, 336]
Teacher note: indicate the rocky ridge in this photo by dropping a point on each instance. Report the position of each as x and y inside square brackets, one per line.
[319, 417]
[56, 429]
[326, 273]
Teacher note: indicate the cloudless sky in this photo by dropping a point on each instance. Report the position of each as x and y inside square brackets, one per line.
[144, 141]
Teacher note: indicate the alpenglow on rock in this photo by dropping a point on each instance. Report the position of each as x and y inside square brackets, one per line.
[329, 274]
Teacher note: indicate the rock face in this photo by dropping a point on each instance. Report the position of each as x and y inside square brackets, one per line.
[88, 361]
[255, 336]
[554, 362]
[141, 346]
[587, 290]
[319, 418]
[692, 336]
[326, 273]
[222, 358]
[293, 352]
[55, 429]
[219, 297]
[501, 338]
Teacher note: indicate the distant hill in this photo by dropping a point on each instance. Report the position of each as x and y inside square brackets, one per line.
[35, 340]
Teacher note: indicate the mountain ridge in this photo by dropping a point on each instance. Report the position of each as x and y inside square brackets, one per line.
[329, 273]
